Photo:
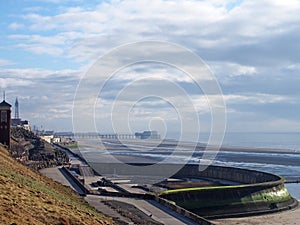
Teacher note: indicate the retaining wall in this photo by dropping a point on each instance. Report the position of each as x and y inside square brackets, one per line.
[77, 182]
[257, 192]
[192, 216]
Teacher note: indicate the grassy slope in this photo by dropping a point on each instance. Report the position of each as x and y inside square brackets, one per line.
[26, 197]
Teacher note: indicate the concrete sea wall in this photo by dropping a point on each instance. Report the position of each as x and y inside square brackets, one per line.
[257, 192]
[254, 192]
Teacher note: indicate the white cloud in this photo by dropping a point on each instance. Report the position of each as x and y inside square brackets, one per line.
[293, 67]
[36, 73]
[15, 26]
[237, 38]
[258, 98]
[232, 69]
[196, 24]
[4, 62]
[12, 82]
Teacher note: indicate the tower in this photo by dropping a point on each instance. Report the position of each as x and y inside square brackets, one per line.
[5, 120]
[17, 109]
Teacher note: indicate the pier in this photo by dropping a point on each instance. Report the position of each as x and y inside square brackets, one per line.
[92, 135]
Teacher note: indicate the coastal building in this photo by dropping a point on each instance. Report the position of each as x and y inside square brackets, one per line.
[47, 136]
[56, 139]
[5, 122]
[147, 135]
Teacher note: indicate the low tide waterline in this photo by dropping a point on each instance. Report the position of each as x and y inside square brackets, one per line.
[285, 163]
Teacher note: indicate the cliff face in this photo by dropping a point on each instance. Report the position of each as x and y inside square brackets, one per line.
[33, 151]
[27, 197]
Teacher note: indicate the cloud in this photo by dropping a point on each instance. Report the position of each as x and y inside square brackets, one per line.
[244, 31]
[44, 95]
[36, 73]
[251, 46]
[258, 98]
[232, 69]
[11, 82]
[15, 26]
[4, 62]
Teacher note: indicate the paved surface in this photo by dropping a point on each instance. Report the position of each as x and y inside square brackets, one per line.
[166, 216]
[57, 174]
[101, 207]
[290, 217]
[157, 212]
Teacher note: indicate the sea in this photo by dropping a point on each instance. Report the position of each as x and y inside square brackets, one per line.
[280, 162]
[278, 140]
[289, 167]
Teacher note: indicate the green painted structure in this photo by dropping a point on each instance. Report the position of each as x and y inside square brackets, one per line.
[257, 192]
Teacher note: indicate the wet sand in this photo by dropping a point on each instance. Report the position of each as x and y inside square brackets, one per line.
[124, 144]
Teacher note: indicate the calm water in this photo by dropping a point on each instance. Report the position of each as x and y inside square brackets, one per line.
[272, 140]
[262, 140]
[288, 168]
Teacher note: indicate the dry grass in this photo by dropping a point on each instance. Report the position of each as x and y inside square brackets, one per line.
[27, 197]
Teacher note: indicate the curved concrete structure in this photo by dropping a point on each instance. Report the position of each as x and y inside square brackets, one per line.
[254, 192]
[257, 192]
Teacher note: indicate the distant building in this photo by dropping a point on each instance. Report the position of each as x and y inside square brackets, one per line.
[56, 139]
[47, 136]
[17, 121]
[147, 135]
[5, 122]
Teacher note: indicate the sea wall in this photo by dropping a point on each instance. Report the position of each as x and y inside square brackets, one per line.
[192, 216]
[255, 192]
[243, 176]
[258, 192]
[83, 190]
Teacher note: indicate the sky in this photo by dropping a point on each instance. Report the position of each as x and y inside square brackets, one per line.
[251, 48]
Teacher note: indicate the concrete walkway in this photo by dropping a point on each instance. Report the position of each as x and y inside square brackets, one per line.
[149, 207]
[57, 174]
[290, 217]
[157, 212]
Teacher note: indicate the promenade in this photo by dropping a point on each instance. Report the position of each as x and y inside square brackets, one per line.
[291, 217]
[158, 212]
[166, 216]
[151, 208]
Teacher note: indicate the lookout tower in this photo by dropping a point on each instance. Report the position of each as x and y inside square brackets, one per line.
[5, 120]
[17, 109]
